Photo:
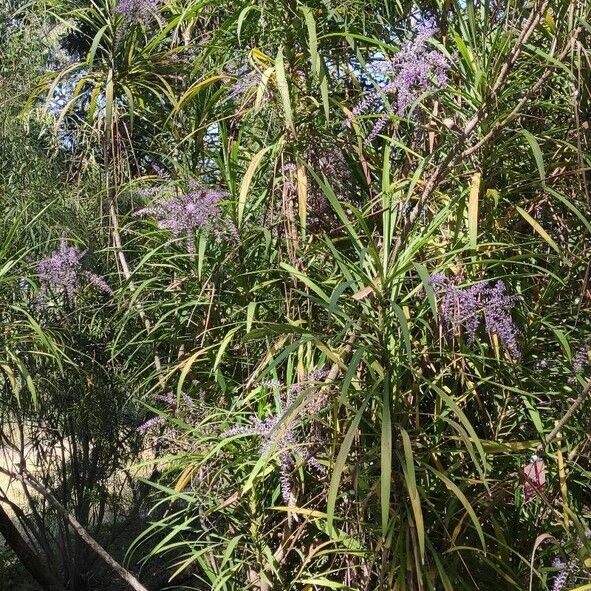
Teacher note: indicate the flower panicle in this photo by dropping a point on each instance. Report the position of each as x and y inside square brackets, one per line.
[61, 271]
[283, 431]
[137, 10]
[581, 359]
[464, 308]
[198, 209]
[414, 71]
[150, 424]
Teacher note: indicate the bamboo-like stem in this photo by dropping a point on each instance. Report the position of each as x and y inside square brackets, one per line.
[27, 557]
[118, 243]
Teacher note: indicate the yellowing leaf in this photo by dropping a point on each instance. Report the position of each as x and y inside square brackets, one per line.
[413, 493]
[283, 89]
[302, 511]
[538, 228]
[261, 88]
[549, 18]
[302, 184]
[247, 180]
[185, 478]
[473, 209]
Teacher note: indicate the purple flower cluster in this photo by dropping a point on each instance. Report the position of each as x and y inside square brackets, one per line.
[562, 578]
[61, 272]
[182, 405]
[412, 72]
[160, 171]
[579, 363]
[566, 569]
[283, 430]
[150, 424]
[182, 402]
[463, 308]
[196, 210]
[137, 10]
[581, 359]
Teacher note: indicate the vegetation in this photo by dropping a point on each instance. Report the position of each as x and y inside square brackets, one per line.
[295, 294]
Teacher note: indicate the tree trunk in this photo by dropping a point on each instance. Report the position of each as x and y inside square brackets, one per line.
[26, 556]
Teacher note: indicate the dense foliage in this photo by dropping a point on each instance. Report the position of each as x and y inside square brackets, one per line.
[295, 294]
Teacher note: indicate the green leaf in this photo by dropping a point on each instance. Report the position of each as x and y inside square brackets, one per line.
[95, 43]
[339, 466]
[318, 70]
[223, 346]
[403, 323]
[537, 152]
[413, 492]
[307, 281]
[242, 17]
[386, 456]
[455, 489]
[465, 422]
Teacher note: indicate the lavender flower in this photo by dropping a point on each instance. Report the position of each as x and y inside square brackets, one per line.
[160, 171]
[150, 424]
[180, 406]
[283, 430]
[566, 570]
[560, 581]
[61, 272]
[137, 10]
[416, 69]
[412, 72]
[497, 316]
[182, 402]
[98, 282]
[579, 363]
[183, 215]
[581, 359]
[464, 308]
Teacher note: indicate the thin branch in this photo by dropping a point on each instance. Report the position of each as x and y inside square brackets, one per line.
[569, 413]
[457, 151]
[118, 243]
[517, 109]
[26, 478]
